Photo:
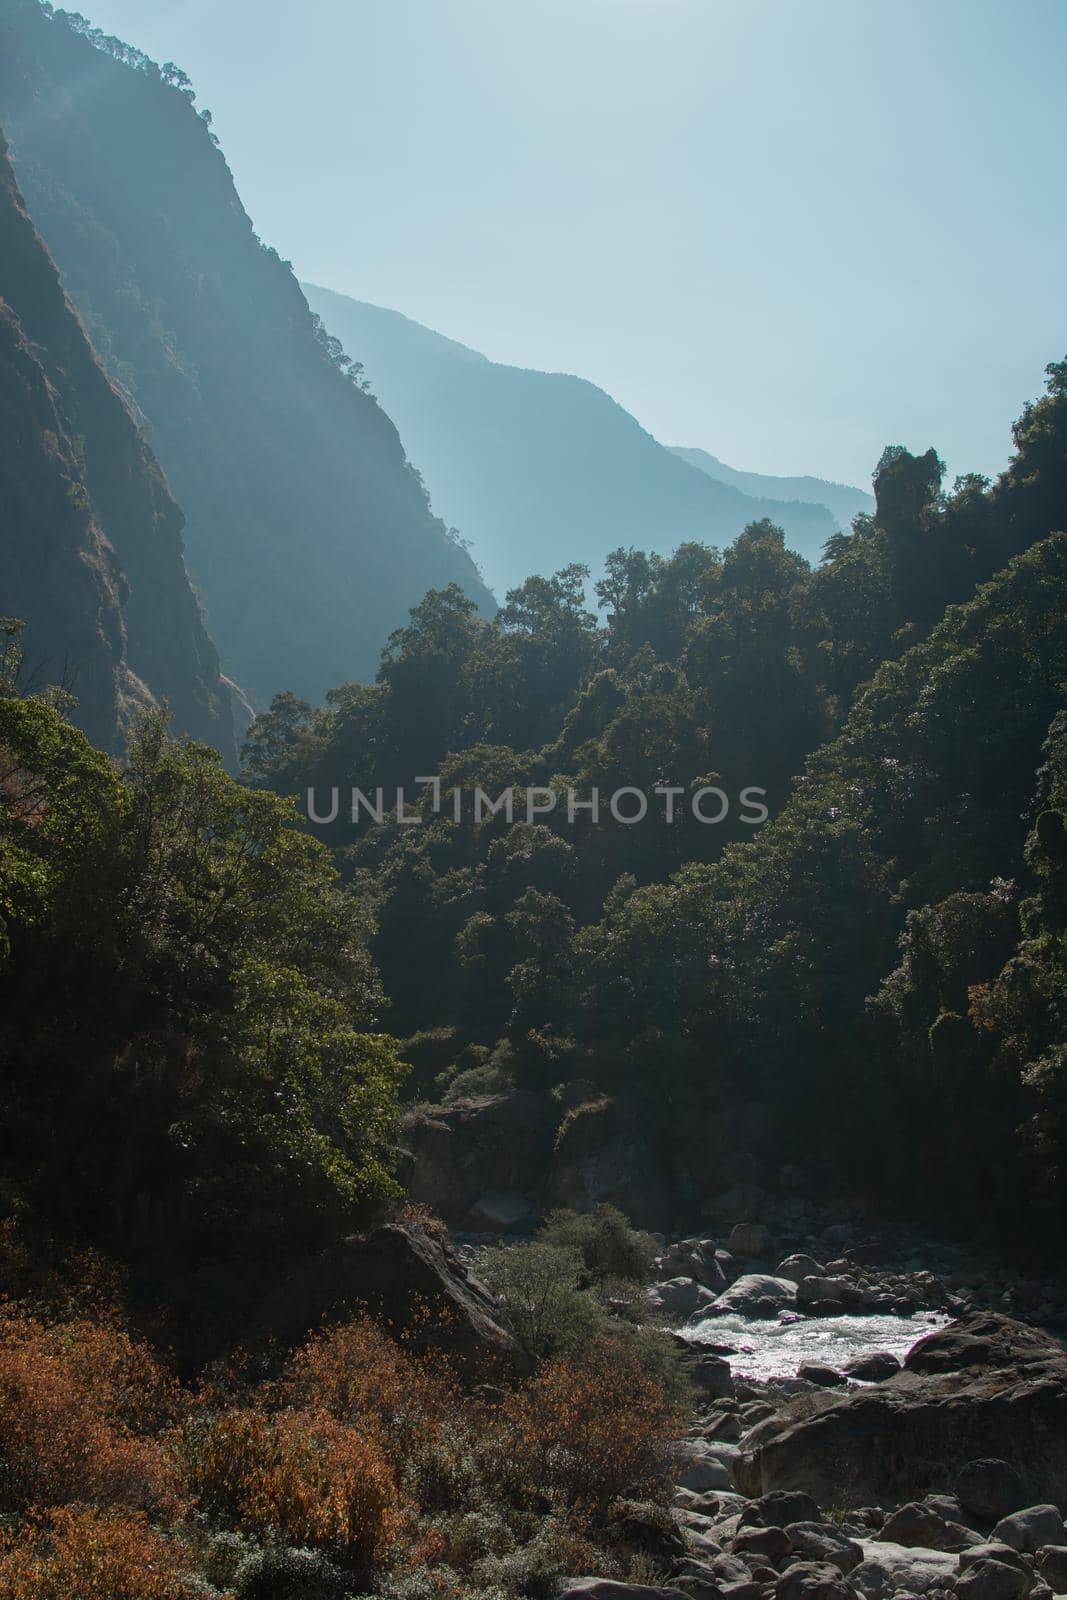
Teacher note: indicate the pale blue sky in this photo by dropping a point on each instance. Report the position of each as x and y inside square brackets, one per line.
[787, 231]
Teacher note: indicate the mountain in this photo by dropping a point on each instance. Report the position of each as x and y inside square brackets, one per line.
[91, 555]
[309, 536]
[842, 500]
[539, 469]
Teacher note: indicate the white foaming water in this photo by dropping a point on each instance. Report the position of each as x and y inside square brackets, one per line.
[776, 1349]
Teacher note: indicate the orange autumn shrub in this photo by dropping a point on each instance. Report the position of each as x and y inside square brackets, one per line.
[76, 1553]
[587, 1430]
[297, 1474]
[69, 1397]
[360, 1376]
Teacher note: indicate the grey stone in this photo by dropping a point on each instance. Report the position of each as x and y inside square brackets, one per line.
[989, 1489]
[1032, 1528]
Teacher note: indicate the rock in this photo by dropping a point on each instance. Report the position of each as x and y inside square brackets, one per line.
[889, 1567]
[827, 1291]
[700, 1469]
[982, 1339]
[1052, 1565]
[757, 1294]
[711, 1377]
[992, 1580]
[874, 1367]
[822, 1541]
[610, 1589]
[696, 1579]
[816, 1372]
[679, 1297]
[771, 1544]
[915, 1524]
[781, 1507]
[495, 1143]
[605, 1152]
[905, 1437]
[812, 1580]
[1031, 1529]
[989, 1489]
[409, 1279]
[749, 1239]
[992, 1552]
[499, 1211]
[797, 1268]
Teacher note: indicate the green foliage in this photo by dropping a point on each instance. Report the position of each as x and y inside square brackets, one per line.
[608, 1245]
[540, 1285]
[200, 949]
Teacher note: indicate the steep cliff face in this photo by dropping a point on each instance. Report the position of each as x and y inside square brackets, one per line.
[308, 535]
[90, 539]
[539, 469]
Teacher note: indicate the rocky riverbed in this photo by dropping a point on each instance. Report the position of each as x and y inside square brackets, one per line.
[869, 1428]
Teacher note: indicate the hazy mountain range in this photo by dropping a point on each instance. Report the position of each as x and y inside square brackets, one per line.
[538, 469]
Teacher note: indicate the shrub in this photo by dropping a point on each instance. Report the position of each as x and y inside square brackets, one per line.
[283, 1573]
[589, 1430]
[539, 1285]
[92, 1555]
[299, 1474]
[609, 1246]
[69, 1397]
[360, 1376]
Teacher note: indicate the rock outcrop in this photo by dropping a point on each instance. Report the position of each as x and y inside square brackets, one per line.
[409, 1279]
[91, 555]
[984, 1379]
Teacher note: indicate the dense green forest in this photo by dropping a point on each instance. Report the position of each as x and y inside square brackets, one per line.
[882, 963]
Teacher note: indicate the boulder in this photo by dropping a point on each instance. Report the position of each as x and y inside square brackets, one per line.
[781, 1507]
[679, 1297]
[696, 1579]
[913, 1433]
[835, 1292]
[1052, 1565]
[700, 1467]
[874, 1367]
[993, 1552]
[771, 1545]
[886, 1568]
[818, 1373]
[982, 1339]
[915, 1524]
[992, 1580]
[797, 1268]
[822, 1541]
[812, 1580]
[710, 1376]
[1029, 1530]
[757, 1294]
[989, 1489]
[606, 1152]
[750, 1239]
[407, 1278]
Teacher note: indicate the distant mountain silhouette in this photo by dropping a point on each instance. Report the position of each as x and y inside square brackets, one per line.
[843, 500]
[308, 534]
[539, 469]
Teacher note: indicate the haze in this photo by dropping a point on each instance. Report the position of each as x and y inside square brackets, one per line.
[788, 234]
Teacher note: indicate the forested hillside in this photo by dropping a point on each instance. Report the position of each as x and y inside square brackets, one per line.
[539, 469]
[844, 965]
[308, 534]
[90, 539]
